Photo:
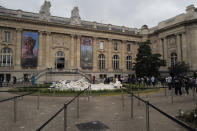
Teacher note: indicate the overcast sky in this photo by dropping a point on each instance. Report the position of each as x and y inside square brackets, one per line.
[130, 13]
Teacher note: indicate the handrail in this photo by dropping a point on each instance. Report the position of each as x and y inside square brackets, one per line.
[37, 76]
[83, 74]
[51, 118]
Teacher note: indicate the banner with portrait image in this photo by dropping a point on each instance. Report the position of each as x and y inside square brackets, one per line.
[29, 49]
[86, 53]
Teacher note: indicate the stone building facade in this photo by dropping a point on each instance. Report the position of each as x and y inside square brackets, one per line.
[33, 43]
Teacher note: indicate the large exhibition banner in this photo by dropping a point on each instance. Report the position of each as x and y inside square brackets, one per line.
[86, 53]
[29, 49]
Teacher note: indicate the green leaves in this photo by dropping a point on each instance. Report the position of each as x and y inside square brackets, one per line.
[180, 69]
[147, 64]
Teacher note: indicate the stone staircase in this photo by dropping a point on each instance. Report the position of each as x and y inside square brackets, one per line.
[50, 75]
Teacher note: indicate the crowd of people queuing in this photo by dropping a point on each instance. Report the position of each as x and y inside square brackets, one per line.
[180, 84]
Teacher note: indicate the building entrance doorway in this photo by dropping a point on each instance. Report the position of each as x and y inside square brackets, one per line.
[1, 78]
[59, 60]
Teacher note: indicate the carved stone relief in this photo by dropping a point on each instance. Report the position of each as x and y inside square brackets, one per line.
[60, 41]
[45, 10]
[172, 42]
[75, 17]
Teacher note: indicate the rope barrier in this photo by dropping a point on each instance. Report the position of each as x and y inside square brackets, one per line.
[172, 118]
[16, 97]
[47, 122]
[165, 114]
[66, 104]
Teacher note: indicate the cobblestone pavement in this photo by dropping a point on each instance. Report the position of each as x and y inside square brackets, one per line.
[102, 113]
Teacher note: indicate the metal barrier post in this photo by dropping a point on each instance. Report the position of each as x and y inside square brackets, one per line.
[65, 117]
[165, 91]
[89, 93]
[131, 105]
[193, 90]
[54, 92]
[138, 94]
[172, 95]
[90, 89]
[78, 106]
[147, 117]
[38, 100]
[15, 109]
[122, 97]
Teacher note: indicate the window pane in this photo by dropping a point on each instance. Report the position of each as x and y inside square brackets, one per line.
[115, 46]
[128, 47]
[101, 45]
[7, 36]
[6, 57]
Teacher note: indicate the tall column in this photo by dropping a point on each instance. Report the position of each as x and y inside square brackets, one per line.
[72, 51]
[162, 45]
[48, 44]
[109, 66]
[166, 51]
[95, 56]
[18, 48]
[193, 49]
[40, 50]
[78, 51]
[184, 48]
[178, 44]
[122, 58]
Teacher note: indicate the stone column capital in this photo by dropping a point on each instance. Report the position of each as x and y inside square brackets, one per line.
[72, 35]
[19, 29]
[124, 41]
[48, 33]
[40, 32]
[95, 38]
[109, 39]
[78, 36]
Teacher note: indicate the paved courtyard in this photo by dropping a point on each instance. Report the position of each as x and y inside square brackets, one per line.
[102, 113]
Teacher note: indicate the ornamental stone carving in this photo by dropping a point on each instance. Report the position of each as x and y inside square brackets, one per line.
[172, 42]
[60, 41]
[75, 17]
[45, 10]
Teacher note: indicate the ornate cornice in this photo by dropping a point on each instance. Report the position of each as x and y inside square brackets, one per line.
[45, 23]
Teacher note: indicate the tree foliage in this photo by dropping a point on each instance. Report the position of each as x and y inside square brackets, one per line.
[179, 69]
[147, 64]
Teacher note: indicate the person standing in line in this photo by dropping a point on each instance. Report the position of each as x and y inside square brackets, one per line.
[14, 79]
[153, 80]
[177, 84]
[186, 80]
[169, 81]
[196, 84]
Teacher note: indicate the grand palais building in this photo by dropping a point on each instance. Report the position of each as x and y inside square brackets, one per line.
[53, 48]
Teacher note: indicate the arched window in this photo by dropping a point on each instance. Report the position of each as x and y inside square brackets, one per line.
[59, 60]
[6, 57]
[129, 63]
[115, 62]
[173, 59]
[115, 46]
[101, 61]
